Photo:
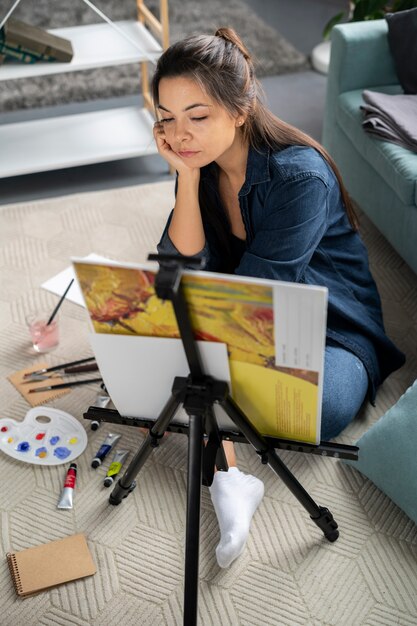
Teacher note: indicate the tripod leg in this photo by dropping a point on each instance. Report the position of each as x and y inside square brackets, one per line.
[214, 455]
[321, 516]
[192, 538]
[126, 484]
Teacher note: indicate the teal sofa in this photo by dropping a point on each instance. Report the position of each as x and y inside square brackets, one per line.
[380, 176]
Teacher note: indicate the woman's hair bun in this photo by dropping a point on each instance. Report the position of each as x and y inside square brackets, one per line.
[228, 34]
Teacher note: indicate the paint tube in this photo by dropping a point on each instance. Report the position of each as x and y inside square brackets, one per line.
[105, 448]
[66, 497]
[100, 402]
[119, 458]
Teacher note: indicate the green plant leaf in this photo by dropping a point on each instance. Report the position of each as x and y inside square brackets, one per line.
[403, 5]
[368, 9]
[376, 9]
[335, 20]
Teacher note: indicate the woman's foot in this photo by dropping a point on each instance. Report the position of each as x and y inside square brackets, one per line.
[235, 497]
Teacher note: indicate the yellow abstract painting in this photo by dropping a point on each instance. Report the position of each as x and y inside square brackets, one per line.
[280, 402]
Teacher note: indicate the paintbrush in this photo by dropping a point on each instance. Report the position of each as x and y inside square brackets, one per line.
[65, 385]
[61, 300]
[66, 371]
[59, 367]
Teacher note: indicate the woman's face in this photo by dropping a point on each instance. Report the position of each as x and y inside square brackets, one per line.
[197, 128]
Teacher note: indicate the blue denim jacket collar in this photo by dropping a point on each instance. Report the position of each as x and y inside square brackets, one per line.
[257, 170]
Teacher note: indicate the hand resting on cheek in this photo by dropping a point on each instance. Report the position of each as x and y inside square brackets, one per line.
[167, 152]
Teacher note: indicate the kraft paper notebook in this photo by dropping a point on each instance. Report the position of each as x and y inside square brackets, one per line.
[36, 569]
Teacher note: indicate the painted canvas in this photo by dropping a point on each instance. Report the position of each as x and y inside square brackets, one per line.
[279, 393]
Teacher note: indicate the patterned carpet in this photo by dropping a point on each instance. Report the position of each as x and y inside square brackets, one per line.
[273, 53]
[288, 575]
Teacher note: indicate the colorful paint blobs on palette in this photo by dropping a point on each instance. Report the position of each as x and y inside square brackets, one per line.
[41, 452]
[62, 452]
[58, 439]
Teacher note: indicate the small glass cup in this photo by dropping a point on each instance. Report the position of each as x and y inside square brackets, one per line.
[44, 337]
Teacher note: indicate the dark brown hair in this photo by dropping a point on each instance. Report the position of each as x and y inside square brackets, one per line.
[222, 66]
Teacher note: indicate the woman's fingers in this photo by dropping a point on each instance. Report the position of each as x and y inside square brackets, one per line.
[164, 148]
[158, 132]
[161, 142]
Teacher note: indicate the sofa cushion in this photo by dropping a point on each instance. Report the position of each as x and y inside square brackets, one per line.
[396, 165]
[402, 36]
[387, 453]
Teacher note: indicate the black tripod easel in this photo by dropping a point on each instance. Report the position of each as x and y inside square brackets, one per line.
[198, 393]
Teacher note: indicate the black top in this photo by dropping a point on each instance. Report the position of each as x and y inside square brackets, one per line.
[237, 248]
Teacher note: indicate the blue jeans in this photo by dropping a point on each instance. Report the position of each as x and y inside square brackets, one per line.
[344, 390]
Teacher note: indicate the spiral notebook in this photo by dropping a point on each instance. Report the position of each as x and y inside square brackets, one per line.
[36, 569]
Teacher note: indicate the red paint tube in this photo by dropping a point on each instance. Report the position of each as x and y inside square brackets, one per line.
[66, 497]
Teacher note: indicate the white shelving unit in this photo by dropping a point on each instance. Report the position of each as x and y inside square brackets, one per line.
[95, 136]
[80, 139]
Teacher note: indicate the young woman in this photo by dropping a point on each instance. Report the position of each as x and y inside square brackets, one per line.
[257, 197]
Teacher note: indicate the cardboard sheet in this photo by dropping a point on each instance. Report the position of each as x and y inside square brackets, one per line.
[36, 399]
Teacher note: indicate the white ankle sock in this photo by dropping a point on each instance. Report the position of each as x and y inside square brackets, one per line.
[235, 498]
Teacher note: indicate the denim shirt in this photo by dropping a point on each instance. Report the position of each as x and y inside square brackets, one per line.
[297, 230]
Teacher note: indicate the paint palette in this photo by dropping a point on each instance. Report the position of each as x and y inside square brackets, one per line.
[45, 437]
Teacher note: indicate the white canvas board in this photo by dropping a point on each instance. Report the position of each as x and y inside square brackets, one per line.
[300, 326]
[139, 372]
[300, 332]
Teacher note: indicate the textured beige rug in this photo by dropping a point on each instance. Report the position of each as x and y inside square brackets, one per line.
[288, 574]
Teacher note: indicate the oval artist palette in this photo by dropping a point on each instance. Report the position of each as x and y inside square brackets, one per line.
[45, 437]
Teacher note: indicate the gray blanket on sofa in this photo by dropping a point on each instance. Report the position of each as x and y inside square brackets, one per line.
[393, 118]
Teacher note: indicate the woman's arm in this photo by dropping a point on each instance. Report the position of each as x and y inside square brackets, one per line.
[295, 220]
[186, 230]
[186, 227]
